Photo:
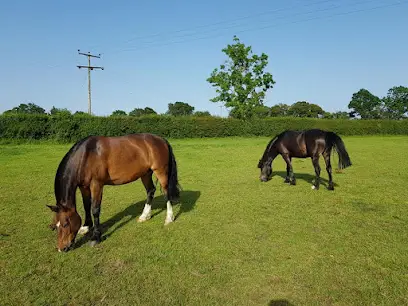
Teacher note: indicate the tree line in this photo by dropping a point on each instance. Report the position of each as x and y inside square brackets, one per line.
[174, 109]
[363, 105]
[392, 106]
[241, 84]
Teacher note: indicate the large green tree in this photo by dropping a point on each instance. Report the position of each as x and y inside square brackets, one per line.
[180, 109]
[82, 114]
[241, 82]
[137, 112]
[341, 115]
[365, 104]
[29, 108]
[202, 114]
[305, 109]
[261, 111]
[279, 110]
[60, 111]
[395, 104]
[336, 115]
[118, 113]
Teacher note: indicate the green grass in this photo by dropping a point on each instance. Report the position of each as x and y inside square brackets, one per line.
[236, 241]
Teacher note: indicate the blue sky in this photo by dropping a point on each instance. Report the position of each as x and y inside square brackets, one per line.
[160, 52]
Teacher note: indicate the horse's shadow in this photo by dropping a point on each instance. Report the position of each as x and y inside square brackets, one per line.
[187, 202]
[305, 177]
[280, 303]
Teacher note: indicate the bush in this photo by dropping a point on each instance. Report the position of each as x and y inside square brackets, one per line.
[71, 128]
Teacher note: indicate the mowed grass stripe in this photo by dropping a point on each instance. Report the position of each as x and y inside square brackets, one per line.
[236, 241]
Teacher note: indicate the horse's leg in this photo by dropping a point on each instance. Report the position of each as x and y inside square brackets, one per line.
[86, 199]
[326, 156]
[162, 177]
[287, 180]
[96, 198]
[315, 161]
[288, 160]
[150, 190]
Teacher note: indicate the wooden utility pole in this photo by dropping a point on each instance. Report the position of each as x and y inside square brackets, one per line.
[89, 55]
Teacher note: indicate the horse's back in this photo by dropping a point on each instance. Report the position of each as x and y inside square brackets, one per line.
[308, 133]
[314, 133]
[302, 143]
[291, 142]
[122, 159]
[133, 143]
[155, 145]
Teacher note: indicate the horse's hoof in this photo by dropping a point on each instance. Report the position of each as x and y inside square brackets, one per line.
[93, 243]
[95, 238]
[83, 230]
[293, 183]
[140, 220]
[315, 187]
[168, 221]
[330, 188]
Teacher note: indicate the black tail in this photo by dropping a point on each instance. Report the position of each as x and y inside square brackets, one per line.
[173, 188]
[333, 140]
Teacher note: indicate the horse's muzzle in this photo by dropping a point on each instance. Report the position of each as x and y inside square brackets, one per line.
[67, 248]
[264, 179]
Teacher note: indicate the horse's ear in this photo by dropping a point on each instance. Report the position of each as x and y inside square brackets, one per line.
[260, 163]
[53, 208]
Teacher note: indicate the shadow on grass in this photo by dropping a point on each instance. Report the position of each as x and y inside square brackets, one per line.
[310, 178]
[280, 303]
[187, 202]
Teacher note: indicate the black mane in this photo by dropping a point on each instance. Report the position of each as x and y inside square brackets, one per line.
[268, 148]
[65, 182]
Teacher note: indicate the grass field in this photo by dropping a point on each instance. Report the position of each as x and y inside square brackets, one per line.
[236, 241]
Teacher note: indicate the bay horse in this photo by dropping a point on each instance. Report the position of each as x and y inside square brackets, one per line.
[303, 144]
[96, 161]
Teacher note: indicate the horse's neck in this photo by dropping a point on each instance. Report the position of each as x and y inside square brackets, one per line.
[66, 181]
[68, 193]
[273, 152]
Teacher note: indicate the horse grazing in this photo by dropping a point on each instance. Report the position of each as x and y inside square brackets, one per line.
[302, 144]
[96, 161]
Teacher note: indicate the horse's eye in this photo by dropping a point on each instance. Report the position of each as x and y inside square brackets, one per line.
[65, 225]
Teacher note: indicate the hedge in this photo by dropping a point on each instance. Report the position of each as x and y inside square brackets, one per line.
[73, 128]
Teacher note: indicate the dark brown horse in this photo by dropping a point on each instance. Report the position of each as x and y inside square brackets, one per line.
[97, 161]
[302, 144]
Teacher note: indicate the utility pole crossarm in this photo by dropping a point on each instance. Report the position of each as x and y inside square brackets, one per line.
[91, 67]
[89, 54]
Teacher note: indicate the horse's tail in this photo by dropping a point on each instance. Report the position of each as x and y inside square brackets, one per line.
[333, 140]
[173, 188]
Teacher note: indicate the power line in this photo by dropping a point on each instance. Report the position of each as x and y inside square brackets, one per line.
[279, 17]
[268, 12]
[265, 27]
[89, 67]
[152, 44]
[247, 17]
[275, 18]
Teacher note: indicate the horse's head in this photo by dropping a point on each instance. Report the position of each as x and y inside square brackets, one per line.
[266, 169]
[68, 223]
[265, 163]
